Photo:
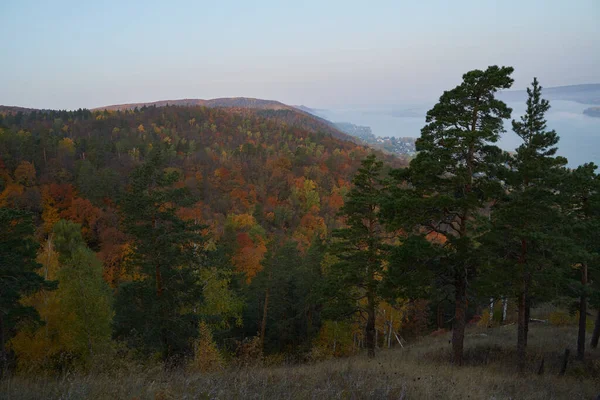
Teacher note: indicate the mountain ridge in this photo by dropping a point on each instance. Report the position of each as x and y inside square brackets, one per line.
[227, 102]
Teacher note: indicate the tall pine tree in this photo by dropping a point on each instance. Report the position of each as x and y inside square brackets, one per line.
[452, 179]
[526, 245]
[581, 191]
[156, 311]
[355, 281]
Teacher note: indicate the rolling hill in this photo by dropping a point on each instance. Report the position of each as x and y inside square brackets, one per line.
[293, 116]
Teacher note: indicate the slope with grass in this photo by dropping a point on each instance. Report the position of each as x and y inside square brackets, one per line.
[417, 371]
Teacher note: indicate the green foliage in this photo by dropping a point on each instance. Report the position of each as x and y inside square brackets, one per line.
[453, 177]
[18, 277]
[77, 317]
[354, 282]
[156, 312]
[293, 312]
[527, 246]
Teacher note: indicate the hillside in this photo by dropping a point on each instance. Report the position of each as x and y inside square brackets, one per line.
[229, 102]
[294, 116]
[417, 371]
[14, 109]
[234, 161]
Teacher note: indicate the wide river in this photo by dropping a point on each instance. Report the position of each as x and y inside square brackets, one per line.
[579, 134]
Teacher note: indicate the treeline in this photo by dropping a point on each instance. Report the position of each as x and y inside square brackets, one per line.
[197, 236]
[468, 223]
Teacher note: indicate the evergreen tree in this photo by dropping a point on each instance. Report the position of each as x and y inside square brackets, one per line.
[18, 278]
[451, 180]
[156, 311]
[581, 191]
[526, 245]
[354, 283]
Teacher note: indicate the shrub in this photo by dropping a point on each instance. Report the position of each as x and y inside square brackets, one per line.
[206, 355]
[561, 318]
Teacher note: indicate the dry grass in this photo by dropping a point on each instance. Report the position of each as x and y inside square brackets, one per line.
[420, 371]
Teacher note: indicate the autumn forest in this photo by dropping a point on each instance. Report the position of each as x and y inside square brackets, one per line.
[204, 239]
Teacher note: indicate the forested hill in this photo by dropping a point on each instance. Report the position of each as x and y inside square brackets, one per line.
[228, 102]
[267, 108]
[236, 163]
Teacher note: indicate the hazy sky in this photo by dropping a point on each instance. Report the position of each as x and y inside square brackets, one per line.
[327, 53]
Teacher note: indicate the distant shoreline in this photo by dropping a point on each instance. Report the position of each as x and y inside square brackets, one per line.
[592, 112]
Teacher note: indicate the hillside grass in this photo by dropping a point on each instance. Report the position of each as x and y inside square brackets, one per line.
[419, 371]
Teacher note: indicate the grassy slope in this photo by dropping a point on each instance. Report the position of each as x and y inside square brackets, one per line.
[420, 371]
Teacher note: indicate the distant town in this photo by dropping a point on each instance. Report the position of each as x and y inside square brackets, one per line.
[401, 146]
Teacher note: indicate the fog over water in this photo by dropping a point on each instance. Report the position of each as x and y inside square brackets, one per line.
[579, 134]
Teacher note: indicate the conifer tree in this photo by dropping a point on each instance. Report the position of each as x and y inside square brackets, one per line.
[451, 180]
[355, 281]
[19, 277]
[526, 244]
[581, 192]
[156, 311]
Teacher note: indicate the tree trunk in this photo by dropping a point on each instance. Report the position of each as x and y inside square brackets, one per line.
[504, 308]
[3, 355]
[521, 331]
[582, 314]
[263, 325]
[596, 333]
[370, 328]
[389, 344]
[458, 328]
[527, 314]
[523, 323]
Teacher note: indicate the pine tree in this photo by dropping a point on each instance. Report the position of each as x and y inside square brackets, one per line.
[581, 193]
[451, 180]
[18, 278]
[156, 311]
[526, 245]
[355, 281]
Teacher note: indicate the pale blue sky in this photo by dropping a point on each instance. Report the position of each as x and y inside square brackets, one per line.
[328, 53]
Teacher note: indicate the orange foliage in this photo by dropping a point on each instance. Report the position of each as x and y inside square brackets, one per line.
[222, 173]
[336, 201]
[310, 226]
[249, 255]
[114, 251]
[85, 213]
[436, 238]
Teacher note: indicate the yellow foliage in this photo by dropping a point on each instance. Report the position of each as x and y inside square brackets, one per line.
[67, 145]
[561, 318]
[25, 173]
[219, 300]
[206, 355]
[335, 339]
[486, 320]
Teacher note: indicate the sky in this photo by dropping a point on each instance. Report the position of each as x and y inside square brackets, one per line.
[65, 54]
